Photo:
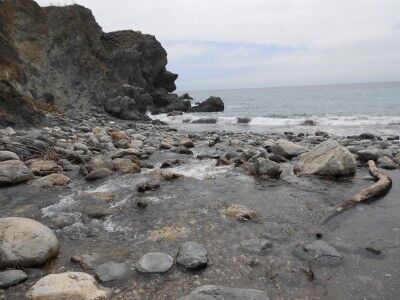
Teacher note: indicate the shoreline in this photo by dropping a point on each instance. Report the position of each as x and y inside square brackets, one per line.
[202, 194]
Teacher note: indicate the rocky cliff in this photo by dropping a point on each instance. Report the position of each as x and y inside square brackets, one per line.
[59, 56]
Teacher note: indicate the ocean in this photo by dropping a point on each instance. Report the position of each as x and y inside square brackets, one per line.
[346, 109]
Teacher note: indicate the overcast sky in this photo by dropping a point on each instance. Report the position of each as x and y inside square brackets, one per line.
[215, 44]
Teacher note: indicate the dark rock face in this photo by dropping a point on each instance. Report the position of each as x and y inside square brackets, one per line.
[61, 55]
[212, 104]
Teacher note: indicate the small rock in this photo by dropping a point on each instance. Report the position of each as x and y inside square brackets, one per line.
[188, 143]
[55, 179]
[25, 243]
[11, 277]
[155, 263]
[165, 146]
[367, 136]
[373, 250]
[369, 154]
[214, 292]
[184, 150]
[192, 256]
[69, 285]
[13, 172]
[125, 166]
[119, 135]
[148, 185]
[8, 155]
[170, 163]
[112, 271]
[257, 246]
[287, 149]
[99, 174]
[169, 175]
[42, 167]
[86, 261]
[387, 163]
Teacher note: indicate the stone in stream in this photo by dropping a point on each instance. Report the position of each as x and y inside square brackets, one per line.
[367, 136]
[13, 172]
[169, 175]
[187, 143]
[25, 243]
[170, 163]
[8, 155]
[328, 159]
[148, 186]
[264, 166]
[214, 141]
[41, 167]
[387, 163]
[11, 277]
[68, 285]
[155, 263]
[256, 246]
[112, 271]
[369, 154]
[192, 256]
[86, 261]
[165, 146]
[99, 162]
[125, 166]
[287, 149]
[55, 179]
[99, 174]
[183, 150]
[320, 252]
[125, 152]
[214, 292]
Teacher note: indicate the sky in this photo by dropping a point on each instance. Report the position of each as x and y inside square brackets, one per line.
[227, 44]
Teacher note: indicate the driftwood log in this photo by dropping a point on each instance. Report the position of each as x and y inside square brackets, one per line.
[379, 188]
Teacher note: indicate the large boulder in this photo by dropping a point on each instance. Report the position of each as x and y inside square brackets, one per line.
[68, 285]
[25, 243]
[212, 104]
[214, 292]
[124, 108]
[287, 149]
[328, 159]
[13, 172]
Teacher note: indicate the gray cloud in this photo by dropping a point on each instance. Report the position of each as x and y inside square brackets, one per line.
[333, 41]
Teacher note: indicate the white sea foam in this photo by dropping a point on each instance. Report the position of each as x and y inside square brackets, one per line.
[202, 169]
[327, 120]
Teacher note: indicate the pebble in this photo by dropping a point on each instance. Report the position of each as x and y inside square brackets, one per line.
[155, 263]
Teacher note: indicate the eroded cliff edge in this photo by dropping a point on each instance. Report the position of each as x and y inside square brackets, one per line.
[59, 56]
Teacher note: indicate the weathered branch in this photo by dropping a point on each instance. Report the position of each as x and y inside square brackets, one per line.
[379, 188]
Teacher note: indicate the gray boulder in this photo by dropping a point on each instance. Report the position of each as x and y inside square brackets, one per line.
[13, 172]
[328, 159]
[264, 166]
[192, 256]
[155, 263]
[112, 271]
[287, 149]
[256, 246]
[11, 277]
[8, 155]
[212, 104]
[369, 154]
[214, 292]
[387, 163]
[25, 243]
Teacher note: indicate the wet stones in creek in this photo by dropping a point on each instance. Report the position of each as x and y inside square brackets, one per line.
[112, 271]
[256, 246]
[213, 292]
[25, 243]
[240, 213]
[192, 256]
[155, 263]
[287, 149]
[13, 172]
[8, 155]
[11, 277]
[69, 285]
[328, 159]
[319, 252]
[99, 174]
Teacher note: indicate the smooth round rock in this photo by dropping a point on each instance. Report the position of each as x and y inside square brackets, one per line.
[112, 271]
[13, 172]
[69, 285]
[155, 263]
[11, 277]
[214, 292]
[25, 243]
[192, 256]
[8, 155]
